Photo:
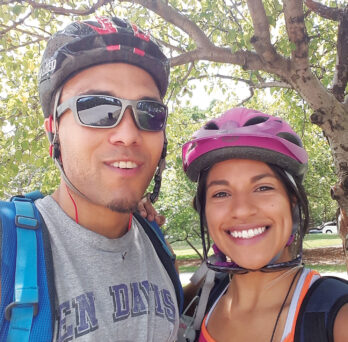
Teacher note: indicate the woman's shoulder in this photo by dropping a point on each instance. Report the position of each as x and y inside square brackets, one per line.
[340, 331]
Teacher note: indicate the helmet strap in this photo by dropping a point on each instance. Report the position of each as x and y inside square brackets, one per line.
[56, 147]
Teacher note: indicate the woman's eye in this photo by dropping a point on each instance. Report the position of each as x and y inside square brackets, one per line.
[220, 194]
[264, 188]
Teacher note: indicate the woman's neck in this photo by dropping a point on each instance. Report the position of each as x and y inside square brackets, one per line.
[258, 289]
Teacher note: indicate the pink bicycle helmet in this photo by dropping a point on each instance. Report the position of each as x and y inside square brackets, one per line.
[249, 134]
[246, 134]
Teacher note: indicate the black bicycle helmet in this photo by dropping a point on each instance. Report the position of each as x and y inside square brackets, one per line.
[104, 40]
[83, 44]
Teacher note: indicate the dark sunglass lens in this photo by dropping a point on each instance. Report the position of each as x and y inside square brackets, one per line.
[151, 115]
[98, 110]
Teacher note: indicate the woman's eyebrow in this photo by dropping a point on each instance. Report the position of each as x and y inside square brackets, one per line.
[217, 182]
[252, 180]
[260, 176]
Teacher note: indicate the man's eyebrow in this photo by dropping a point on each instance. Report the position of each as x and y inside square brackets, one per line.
[108, 93]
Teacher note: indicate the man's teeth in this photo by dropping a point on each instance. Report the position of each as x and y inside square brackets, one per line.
[248, 233]
[125, 165]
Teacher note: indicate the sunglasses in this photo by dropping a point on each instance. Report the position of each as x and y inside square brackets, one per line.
[268, 268]
[103, 111]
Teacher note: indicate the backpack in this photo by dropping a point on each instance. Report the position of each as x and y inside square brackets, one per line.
[319, 308]
[27, 309]
[314, 322]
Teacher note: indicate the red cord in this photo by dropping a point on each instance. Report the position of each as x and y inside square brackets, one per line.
[130, 221]
[76, 214]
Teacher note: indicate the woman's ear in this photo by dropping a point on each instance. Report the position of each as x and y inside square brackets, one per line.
[296, 219]
[293, 202]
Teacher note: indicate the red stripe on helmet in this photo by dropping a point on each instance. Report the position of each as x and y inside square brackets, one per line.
[139, 52]
[107, 26]
[113, 47]
[139, 34]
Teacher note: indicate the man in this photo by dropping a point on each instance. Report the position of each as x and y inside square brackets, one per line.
[101, 86]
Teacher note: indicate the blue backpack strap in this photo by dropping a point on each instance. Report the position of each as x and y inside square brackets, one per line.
[167, 258]
[23, 274]
[24, 307]
[319, 309]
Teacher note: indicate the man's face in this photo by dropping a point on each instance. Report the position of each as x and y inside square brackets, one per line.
[112, 167]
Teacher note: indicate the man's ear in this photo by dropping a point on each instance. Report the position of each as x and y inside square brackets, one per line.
[49, 127]
[54, 150]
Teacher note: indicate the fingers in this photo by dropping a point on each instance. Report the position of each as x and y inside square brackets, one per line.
[141, 208]
[160, 219]
[146, 209]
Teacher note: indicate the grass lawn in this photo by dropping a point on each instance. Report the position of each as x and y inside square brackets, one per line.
[323, 268]
[321, 240]
[184, 252]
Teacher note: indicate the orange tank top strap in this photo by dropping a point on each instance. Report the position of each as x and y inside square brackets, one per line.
[307, 278]
[204, 335]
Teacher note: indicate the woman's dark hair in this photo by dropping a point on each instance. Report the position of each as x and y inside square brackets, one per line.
[295, 190]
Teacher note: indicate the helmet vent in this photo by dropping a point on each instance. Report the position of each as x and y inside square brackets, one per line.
[290, 137]
[211, 125]
[256, 120]
[119, 22]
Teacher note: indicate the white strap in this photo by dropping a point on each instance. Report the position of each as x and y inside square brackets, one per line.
[199, 274]
[202, 304]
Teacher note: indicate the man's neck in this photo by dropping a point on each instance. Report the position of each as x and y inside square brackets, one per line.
[96, 218]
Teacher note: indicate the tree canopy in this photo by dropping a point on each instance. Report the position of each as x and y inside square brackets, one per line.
[290, 57]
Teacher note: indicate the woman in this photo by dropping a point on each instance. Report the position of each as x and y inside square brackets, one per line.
[249, 167]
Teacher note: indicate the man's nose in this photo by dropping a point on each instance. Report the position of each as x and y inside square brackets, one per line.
[126, 132]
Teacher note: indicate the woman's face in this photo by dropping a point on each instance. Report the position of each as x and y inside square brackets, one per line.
[248, 212]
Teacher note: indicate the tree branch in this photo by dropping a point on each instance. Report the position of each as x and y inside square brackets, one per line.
[274, 84]
[247, 59]
[170, 46]
[261, 39]
[22, 45]
[241, 103]
[295, 26]
[341, 73]
[67, 11]
[171, 15]
[15, 24]
[261, 85]
[29, 33]
[325, 11]
[233, 16]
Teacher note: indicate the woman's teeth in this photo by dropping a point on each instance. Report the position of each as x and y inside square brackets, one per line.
[247, 233]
